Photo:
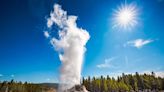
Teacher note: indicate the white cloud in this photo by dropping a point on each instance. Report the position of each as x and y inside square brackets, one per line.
[138, 43]
[107, 63]
[46, 34]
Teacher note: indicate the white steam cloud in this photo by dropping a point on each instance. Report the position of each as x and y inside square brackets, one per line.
[70, 45]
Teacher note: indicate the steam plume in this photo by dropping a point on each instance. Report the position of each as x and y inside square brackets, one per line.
[70, 45]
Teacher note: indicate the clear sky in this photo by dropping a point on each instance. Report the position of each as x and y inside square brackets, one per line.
[26, 55]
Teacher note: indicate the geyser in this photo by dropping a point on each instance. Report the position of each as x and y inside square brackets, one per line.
[70, 44]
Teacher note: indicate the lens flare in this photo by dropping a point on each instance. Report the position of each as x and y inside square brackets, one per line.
[125, 17]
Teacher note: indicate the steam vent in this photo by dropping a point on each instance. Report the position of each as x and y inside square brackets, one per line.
[77, 88]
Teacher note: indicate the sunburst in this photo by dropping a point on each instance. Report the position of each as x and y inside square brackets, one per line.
[125, 17]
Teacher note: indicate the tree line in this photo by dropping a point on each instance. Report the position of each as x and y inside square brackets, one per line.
[125, 83]
[14, 86]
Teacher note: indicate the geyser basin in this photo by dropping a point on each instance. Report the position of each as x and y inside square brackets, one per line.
[77, 88]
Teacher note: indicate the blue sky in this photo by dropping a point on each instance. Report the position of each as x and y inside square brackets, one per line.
[26, 55]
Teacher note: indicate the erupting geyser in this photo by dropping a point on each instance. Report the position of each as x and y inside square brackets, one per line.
[70, 45]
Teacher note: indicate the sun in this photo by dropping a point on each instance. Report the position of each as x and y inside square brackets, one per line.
[125, 17]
